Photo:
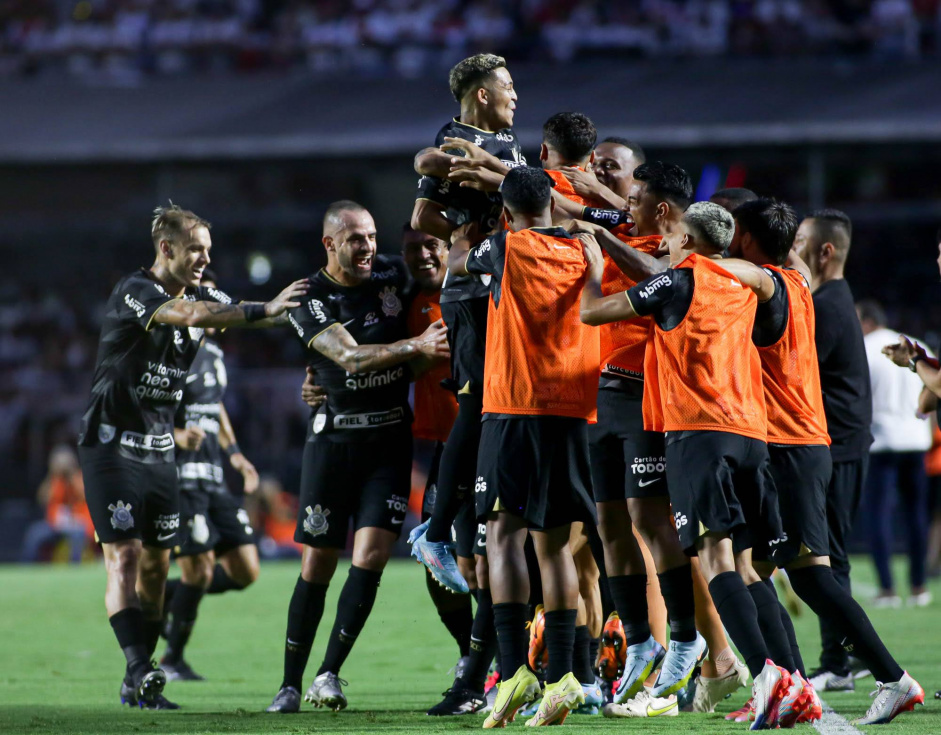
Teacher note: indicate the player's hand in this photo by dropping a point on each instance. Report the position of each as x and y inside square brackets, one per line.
[311, 393]
[903, 352]
[468, 231]
[190, 438]
[585, 183]
[593, 254]
[574, 226]
[433, 342]
[249, 474]
[287, 298]
[470, 176]
[473, 155]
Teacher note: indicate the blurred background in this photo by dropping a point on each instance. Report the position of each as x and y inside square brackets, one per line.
[258, 113]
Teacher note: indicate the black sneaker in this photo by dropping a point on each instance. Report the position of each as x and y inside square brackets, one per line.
[152, 700]
[286, 701]
[458, 700]
[180, 671]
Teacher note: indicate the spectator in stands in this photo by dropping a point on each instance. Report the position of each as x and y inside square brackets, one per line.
[274, 516]
[896, 461]
[62, 493]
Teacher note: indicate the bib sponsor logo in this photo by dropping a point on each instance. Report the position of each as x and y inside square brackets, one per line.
[316, 310]
[391, 304]
[106, 433]
[136, 306]
[375, 379]
[222, 298]
[655, 285]
[147, 442]
[297, 327]
[316, 523]
[121, 517]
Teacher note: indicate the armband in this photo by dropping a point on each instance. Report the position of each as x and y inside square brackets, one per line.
[607, 218]
[233, 448]
[253, 312]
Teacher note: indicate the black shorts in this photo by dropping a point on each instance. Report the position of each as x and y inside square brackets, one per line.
[467, 540]
[211, 522]
[129, 499]
[721, 483]
[801, 475]
[536, 467]
[366, 482]
[626, 461]
[467, 337]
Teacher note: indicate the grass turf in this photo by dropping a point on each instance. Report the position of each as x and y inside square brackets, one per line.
[62, 669]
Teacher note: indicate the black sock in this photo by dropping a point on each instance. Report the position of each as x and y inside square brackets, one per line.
[304, 615]
[737, 611]
[458, 615]
[823, 594]
[560, 643]
[510, 621]
[353, 608]
[458, 467]
[630, 598]
[676, 585]
[222, 582]
[168, 591]
[789, 630]
[769, 619]
[184, 608]
[128, 626]
[581, 656]
[483, 644]
[593, 651]
[152, 628]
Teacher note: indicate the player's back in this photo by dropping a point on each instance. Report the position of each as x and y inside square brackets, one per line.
[541, 359]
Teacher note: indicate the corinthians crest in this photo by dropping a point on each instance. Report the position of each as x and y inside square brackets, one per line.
[316, 522]
[121, 517]
[391, 304]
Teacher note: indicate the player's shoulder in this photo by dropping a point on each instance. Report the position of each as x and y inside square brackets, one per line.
[212, 347]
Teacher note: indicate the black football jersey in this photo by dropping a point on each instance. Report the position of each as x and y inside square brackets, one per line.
[464, 205]
[359, 406]
[202, 396]
[141, 370]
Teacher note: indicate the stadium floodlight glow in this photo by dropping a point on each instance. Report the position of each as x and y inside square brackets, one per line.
[259, 268]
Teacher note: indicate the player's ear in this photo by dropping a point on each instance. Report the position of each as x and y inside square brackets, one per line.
[663, 209]
[483, 96]
[166, 249]
[328, 243]
[543, 152]
[508, 216]
[827, 251]
[551, 205]
[591, 159]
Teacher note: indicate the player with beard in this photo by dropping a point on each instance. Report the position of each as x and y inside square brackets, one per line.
[801, 465]
[216, 552]
[483, 87]
[354, 324]
[712, 409]
[151, 332]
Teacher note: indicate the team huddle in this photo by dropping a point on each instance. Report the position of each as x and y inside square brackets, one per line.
[630, 432]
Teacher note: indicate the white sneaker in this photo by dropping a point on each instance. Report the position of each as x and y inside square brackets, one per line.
[887, 602]
[644, 705]
[829, 681]
[922, 599]
[766, 691]
[709, 692]
[325, 691]
[893, 699]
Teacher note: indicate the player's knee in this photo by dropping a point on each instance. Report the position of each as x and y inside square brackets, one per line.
[372, 558]
[482, 569]
[125, 565]
[246, 573]
[468, 571]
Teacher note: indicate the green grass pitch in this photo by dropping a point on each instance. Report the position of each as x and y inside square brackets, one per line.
[61, 668]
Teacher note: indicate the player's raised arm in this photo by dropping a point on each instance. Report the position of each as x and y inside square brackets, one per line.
[597, 308]
[432, 162]
[183, 313]
[463, 239]
[751, 276]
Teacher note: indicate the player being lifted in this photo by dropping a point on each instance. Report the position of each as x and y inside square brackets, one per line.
[152, 329]
[798, 445]
[540, 386]
[353, 323]
[216, 549]
[483, 88]
[703, 388]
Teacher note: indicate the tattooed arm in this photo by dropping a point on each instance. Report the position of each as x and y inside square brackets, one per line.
[337, 344]
[183, 313]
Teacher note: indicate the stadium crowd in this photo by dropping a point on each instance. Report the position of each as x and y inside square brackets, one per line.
[127, 38]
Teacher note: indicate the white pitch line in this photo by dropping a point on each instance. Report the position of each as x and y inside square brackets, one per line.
[834, 724]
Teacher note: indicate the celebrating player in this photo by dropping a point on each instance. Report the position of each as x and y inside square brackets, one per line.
[216, 550]
[533, 475]
[153, 326]
[353, 323]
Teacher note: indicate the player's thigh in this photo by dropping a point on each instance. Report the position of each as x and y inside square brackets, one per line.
[197, 535]
[330, 489]
[114, 494]
[372, 547]
[568, 497]
[231, 523]
[386, 484]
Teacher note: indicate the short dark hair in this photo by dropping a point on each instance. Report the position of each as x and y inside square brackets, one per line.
[169, 223]
[667, 181]
[771, 223]
[872, 310]
[635, 147]
[735, 196]
[472, 72]
[834, 226]
[571, 134]
[527, 190]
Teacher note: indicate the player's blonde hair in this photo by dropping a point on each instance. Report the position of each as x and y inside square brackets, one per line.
[710, 224]
[469, 74]
[172, 222]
